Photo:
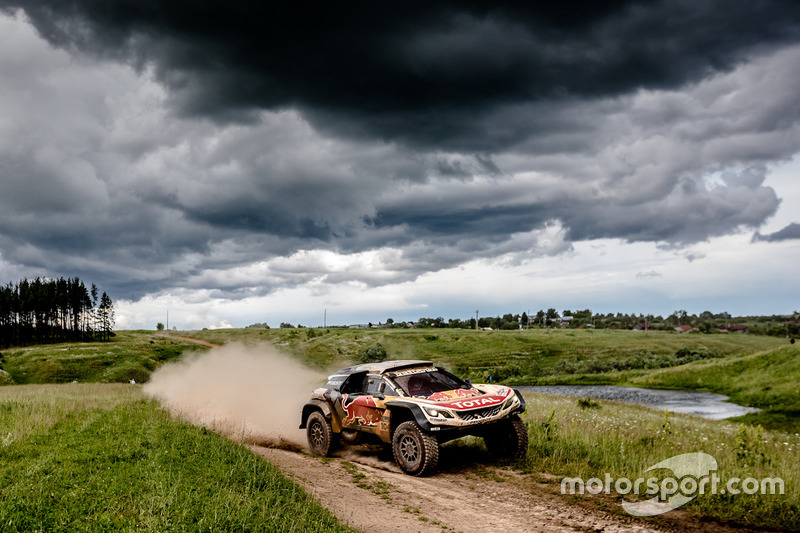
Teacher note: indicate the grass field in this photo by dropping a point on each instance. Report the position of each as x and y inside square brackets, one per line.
[530, 355]
[95, 457]
[103, 457]
[579, 438]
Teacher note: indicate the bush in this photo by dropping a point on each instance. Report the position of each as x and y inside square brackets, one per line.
[588, 403]
[372, 354]
[124, 375]
[5, 378]
[505, 372]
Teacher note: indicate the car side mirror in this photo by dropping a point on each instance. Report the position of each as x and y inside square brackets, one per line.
[379, 395]
[469, 382]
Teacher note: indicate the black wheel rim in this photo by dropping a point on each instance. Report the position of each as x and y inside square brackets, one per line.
[317, 436]
[409, 449]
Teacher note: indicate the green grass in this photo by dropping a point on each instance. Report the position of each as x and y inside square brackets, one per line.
[129, 355]
[105, 458]
[568, 439]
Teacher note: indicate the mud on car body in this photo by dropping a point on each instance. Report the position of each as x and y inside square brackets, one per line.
[413, 406]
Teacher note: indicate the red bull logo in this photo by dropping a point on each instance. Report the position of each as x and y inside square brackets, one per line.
[360, 410]
[452, 395]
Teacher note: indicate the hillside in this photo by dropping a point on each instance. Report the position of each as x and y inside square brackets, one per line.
[527, 355]
[129, 355]
[768, 380]
[754, 370]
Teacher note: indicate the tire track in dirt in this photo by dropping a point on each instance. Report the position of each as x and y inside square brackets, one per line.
[369, 494]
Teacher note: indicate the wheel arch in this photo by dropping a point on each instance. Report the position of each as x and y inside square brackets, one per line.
[315, 405]
[402, 411]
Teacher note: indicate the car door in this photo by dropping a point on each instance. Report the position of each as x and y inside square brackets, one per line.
[360, 409]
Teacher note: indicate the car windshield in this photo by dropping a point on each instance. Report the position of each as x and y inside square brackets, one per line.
[427, 383]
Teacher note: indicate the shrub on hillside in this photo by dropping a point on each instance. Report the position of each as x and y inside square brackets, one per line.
[372, 354]
[5, 378]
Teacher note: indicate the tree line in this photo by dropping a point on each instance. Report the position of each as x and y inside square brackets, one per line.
[45, 310]
[706, 322]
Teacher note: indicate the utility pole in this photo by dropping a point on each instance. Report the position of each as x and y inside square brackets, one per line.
[476, 320]
[167, 319]
[325, 318]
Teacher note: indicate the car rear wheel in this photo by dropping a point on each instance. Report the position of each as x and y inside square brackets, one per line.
[415, 451]
[508, 440]
[321, 439]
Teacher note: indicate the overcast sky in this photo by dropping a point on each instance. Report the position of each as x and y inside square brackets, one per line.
[240, 162]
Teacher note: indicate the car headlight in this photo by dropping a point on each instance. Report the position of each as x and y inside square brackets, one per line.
[436, 413]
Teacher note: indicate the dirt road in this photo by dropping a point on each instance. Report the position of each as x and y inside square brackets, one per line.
[368, 492]
[191, 340]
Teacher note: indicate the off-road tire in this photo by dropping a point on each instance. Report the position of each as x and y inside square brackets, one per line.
[508, 439]
[415, 451]
[321, 439]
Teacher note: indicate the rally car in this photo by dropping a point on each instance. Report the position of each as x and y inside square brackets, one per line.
[413, 406]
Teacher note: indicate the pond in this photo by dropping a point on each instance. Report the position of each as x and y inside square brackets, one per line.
[699, 403]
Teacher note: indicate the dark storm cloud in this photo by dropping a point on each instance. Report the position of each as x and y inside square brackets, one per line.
[418, 73]
[250, 141]
[792, 231]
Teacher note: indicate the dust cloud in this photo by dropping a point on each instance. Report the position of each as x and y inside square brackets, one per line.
[250, 394]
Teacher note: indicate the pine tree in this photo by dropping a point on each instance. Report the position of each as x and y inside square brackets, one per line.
[106, 311]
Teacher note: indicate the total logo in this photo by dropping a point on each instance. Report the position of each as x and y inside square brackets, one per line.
[478, 402]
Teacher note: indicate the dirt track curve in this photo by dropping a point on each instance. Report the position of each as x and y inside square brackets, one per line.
[368, 492]
[189, 339]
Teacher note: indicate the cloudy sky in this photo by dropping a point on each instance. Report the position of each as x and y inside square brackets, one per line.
[240, 162]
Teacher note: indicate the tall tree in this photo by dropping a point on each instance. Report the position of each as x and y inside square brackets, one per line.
[106, 312]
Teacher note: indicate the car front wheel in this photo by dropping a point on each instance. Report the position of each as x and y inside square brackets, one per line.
[508, 439]
[415, 451]
[321, 439]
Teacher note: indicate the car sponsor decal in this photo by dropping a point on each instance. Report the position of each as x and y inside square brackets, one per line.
[477, 401]
[453, 395]
[360, 410]
[413, 371]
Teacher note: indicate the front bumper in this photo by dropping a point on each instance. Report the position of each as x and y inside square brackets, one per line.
[461, 422]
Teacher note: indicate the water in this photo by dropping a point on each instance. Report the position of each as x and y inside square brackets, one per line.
[699, 403]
